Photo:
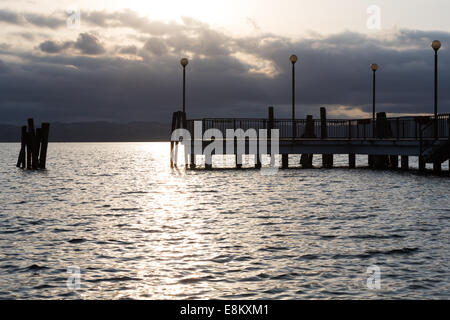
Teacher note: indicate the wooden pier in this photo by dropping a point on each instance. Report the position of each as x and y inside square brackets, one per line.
[383, 140]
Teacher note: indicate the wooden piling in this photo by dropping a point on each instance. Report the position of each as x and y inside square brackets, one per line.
[381, 162]
[38, 140]
[238, 160]
[237, 157]
[192, 162]
[421, 164]
[44, 144]
[34, 145]
[28, 143]
[437, 167]
[327, 160]
[208, 161]
[370, 161]
[257, 161]
[393, 161]
[306, 160]
[21, 161]
[352, 160]
[284, 161]
[404, 162]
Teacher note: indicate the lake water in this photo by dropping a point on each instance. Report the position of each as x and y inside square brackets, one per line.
[137, 229]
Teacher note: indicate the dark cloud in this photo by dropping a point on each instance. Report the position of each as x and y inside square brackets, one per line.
[54, 47]
[89, 44]
[10, 17]
[85, 44]
[229, 76]
[132, 49]
[156, 46]
[55, 20]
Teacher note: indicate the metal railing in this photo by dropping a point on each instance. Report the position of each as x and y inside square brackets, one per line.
[416, 128]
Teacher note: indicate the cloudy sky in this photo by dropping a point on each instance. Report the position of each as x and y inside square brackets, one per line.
[120, 60]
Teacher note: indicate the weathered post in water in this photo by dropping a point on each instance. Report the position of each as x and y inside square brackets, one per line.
[44, 140]
[33, 147]
[21, 162]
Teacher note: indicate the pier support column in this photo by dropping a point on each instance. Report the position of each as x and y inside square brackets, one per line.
[238, 159]
[381, 162]
[284, 161]
[393, 162]
[437, 167]
[421, 164]
[192, 163]
[351, 160]
[208, 161]
[370, 161]
[257, 161]
[306, 160]
[405, 163]
[327, 160]
[272, 160]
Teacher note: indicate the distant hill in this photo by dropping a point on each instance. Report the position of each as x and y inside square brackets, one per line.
[96, 132]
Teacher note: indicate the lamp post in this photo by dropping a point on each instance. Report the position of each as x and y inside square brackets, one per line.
[374, 68]
[293, 58]
[184, 63]
[436, 45]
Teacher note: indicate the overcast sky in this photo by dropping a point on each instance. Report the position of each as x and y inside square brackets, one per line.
[121, 63]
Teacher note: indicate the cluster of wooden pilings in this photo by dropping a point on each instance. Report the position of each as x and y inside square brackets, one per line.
[34, 143]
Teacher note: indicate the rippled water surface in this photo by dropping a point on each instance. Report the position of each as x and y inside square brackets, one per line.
[137, 229]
